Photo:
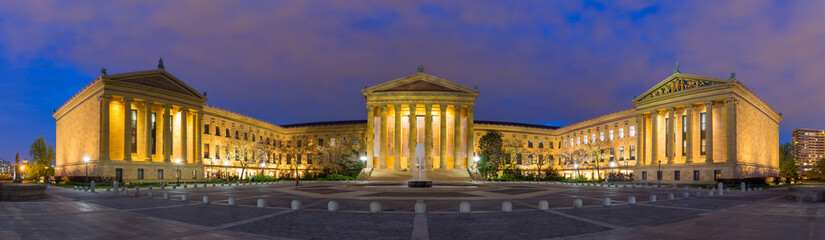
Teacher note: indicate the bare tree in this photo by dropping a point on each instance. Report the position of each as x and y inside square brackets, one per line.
[241, 149]
[541, 157]
[512, 148]
[295, 148]
[338, 153]
[597, 153]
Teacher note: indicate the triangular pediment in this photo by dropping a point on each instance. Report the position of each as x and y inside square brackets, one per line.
[159, 79]
[679, 82]
[420, 82]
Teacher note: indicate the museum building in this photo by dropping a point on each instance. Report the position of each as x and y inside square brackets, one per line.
[151, 126]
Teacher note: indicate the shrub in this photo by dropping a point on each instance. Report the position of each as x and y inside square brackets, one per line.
[338, 177]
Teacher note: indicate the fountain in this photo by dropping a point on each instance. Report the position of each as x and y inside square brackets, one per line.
[419, 174]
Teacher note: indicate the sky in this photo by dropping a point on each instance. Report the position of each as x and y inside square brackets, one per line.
[540, 62]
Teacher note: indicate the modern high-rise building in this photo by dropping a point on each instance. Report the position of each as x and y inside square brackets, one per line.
[808, 147]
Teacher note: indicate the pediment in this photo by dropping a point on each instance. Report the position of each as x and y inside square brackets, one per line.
[677, 83]
[420, 82]
[159, 79]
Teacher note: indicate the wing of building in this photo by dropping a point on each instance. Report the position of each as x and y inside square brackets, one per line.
[151, 126]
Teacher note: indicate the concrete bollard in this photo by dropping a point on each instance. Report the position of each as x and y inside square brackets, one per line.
[206, 199]
[760, 189]
[125, 192]
[296, 204]
[261, 202]
[652, 198]
[74, 188]
[163, 187]
[742, 186]
[332, 206]
[184, 186]
[631, 200]
[686, 195]
[184, 197]
[544, 205]
[606, 202]
[108, 189]
[634, 186]
[750, 189]
[464, 207]
[670, 196]
[727, 190]
[204, 185]
[577, 203]
[174, 187]
[150, 188]
[375, 207]
[420, 208]
[166, 196]
[93, 186]
[213, 185]
[195, 185]
[115, 186]
[720, 187]
[699, 193]
[221, 184]
[506, 206]
[137, 191]
[150, 195]
[710, 193]
[231, 201]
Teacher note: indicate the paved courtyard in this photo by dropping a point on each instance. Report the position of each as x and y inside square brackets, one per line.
[67, 213]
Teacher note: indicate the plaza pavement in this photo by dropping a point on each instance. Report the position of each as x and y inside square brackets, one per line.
[70, 214]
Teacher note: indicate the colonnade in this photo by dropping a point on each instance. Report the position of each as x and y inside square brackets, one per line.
[462, 150]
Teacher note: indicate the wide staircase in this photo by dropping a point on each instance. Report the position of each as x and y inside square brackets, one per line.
[435, 175]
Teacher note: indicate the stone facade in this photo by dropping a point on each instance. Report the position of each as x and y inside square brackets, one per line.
[719, 129]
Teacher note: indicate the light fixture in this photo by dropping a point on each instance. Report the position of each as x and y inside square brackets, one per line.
[177, 161]
[364, 158]
[476, 158]
[86, 159]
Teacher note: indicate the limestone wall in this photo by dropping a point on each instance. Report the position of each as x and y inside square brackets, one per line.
[78, 135]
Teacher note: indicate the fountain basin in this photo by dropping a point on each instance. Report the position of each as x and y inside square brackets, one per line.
[420, 184]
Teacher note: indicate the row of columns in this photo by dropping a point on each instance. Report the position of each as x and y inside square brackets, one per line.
[105, 131]
[670, 133]
[413, 135]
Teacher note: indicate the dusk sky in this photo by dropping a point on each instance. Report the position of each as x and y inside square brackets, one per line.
[541, 62]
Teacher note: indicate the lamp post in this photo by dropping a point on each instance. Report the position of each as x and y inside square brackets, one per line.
[22, 170]
[86, 160]
[576, 170]
[363, 161]
[225, 171]
[263, 167]
[659, 175]
[177, 163]
[475, 160]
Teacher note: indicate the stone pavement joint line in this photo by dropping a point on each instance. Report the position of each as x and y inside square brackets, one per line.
[420, 227]
[255, 219]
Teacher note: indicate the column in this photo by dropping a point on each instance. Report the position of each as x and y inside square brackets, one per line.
[398, 151]
[104, 127]
[457, 138]
[147, 130]
[689, 137]
[167, 138]
[442, 136]
[127, 131]
[654, 139]
[470, 135]
[183, 136]
[731, 129]
[369, 142]
[671, 135]
[413, 142]
[428, 136]
[640, 138]
[382, 148]
[199, 138]
[709, 132]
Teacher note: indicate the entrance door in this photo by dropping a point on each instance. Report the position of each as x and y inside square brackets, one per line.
[119, 174]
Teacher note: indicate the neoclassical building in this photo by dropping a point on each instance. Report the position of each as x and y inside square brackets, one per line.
[151, 126]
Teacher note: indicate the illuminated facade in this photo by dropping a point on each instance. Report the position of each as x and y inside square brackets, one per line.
[136, 126]
[808, 147]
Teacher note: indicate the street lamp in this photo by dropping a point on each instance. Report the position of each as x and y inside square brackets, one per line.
[177, 163]
[86, 160]
[659, 174]
[576, 170]
[225, 171]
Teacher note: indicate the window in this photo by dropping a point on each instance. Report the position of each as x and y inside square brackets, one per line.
[246, 136]
[133, 129]
[695, 175]
[632, 152]
[621, 153]
[659, 175]
[355, 141]
[298, 159]
[205, 150]
[541, 159]
[518, 158]
[703, 136]
[289, 159]
[320, 142]
[160, 173]
[541, 144]
[579, 141]
[171, 131]
[217, 151]
[585, 139]
[227, 132]
[717, 174]
[217, 131]
[140, 173]
[154, 133]
[621, 132]
[565, 143]
[309, 158]
[530, 144]
[684, 135]
[601, 136]
[677, 175]
[237, 136]
[632, 132]
[206, 129]
[194, 174]
[644, 175]
[611, 134]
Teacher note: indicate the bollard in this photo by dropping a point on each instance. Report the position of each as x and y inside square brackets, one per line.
[231, 201]
[184, 186]
[221, 184]
[652, 198]
[150, 194]
[631, 200]
[634, 186]
[163, 187]
[213, 185]
[125, 192]
[464, 207]
[150, 188]
[670, 196]
[174, 187]
[115, 186]
[166, 196]
[760, 189]
[206, 199]
[74, 188]
[375, 207]
[544, 205]
[332, 206]
[686, 195]
[204, 185]
[727, 190]
[606, 202]
[742, 186]
[261, 202]
[184, 197]
[93, 186]
[699, 193]
[296, 204]
[710, 194]
[506, 206]
[108, 189]
[720, 187]
[195, 185]
[137, 191]
[577, 203]
[420, 207]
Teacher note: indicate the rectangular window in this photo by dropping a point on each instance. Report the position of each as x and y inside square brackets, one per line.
[289, 159]
[140, 173]
[217, 131]
[320, 142]
[530, 143]
[309, 158]
[355, 141]
[684, 135]
[194, 174]
[206, 129]
[695, 175]
[227, 132]
[594, 137]
[205, 150]
[246, 136]
[585, 139]
[611, 134]
[133, 129]
[578, 141]
[565, 143]
[677, 175]
[632, 131]
[702, 135]
[160, 173]
[541, 159]
[632, 152]
[601, 136]
[298, 160]
[621, 153]
[621, 132]
[541, 144]
[217, 151]
[154, 133]
[717, 174]
[518, 158]
[644, 175]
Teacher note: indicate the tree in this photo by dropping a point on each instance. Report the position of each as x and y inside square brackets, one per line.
[242, 150]
[491, 147]
[42, 158]
[16, 166]
[597, 152]
[541, 157]
[295, 149]
[787, 162]
[339, 155]
[818, 170]
[511, 149]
